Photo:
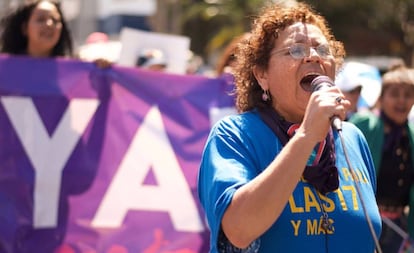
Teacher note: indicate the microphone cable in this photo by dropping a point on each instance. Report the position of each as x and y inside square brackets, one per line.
[355, 178]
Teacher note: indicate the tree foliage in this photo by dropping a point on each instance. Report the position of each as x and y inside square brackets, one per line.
[372, 27]
[367, 27]
[212, 24]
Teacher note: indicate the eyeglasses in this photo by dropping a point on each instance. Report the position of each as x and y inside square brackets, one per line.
[49, 21]
[299, 51]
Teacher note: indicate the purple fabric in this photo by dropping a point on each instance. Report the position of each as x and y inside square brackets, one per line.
[125, 96]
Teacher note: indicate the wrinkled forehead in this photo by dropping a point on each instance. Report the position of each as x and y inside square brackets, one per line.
[302, 33]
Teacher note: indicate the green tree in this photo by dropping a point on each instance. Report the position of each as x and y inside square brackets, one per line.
[212, 24]
[372, 27]
[367, 27]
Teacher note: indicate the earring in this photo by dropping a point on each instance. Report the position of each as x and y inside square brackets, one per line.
[266, 95]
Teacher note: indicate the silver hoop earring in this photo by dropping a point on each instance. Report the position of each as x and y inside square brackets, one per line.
[266, 95]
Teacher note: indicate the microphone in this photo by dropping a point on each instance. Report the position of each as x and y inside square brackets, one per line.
[323, 82]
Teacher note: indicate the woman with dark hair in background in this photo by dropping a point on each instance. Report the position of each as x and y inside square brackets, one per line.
[38, 29]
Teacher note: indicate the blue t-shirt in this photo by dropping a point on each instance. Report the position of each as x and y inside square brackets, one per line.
[240, 147]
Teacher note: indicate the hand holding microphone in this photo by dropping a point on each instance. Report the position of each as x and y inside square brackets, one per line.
[324, 82]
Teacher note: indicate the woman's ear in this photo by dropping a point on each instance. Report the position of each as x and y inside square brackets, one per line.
[261, 76]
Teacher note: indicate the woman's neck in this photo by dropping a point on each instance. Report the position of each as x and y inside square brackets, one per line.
[38, 53]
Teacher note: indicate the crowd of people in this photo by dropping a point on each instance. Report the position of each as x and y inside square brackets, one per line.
[271, 172]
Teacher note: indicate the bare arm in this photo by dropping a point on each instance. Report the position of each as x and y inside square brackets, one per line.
[256, 205]
[259, 203]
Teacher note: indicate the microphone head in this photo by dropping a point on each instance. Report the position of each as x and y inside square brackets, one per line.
[321, 81]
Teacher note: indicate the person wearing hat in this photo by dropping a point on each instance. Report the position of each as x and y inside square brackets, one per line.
[351, 80]
[152, 59]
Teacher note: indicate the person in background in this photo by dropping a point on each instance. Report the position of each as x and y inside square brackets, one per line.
[391, 140]
[274, 178]
[152, 59]
[98, 48]
[194, 63]
[352, 79]
[38, 29]
[227, 59]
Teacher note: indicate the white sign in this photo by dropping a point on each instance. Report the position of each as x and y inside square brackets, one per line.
[175, 48]
[126, 7]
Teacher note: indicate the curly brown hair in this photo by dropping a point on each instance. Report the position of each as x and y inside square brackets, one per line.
[256, 50]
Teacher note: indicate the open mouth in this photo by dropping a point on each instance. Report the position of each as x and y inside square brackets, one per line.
[306, 81]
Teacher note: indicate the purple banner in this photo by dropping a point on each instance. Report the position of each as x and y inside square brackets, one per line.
[102, 160]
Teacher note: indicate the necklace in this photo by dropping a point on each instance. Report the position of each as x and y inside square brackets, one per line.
[326, 224]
